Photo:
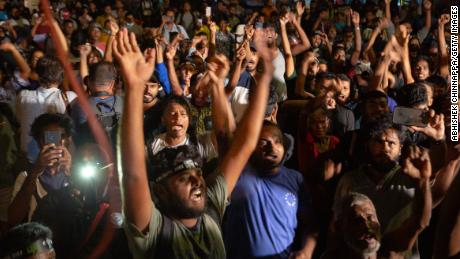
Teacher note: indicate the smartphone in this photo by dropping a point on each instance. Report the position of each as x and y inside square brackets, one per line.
[410, 116]
[307, 3]
[259, 25]
[53, 137]
[208, 11]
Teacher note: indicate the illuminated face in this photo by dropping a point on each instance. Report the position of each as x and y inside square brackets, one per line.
[271, 35]
[270, 150]
[375, 107]
[345, 93]
[176, 120]
[422, 70]
[95, 33]
[385, 149]
[252, 61]
[362, 228]
[319, 124]
[186, 194]
[37, 55]
[339, 56]
[151, 92]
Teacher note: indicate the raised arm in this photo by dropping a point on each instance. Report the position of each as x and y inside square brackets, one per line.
[136, 70]
[417, 165]
[24, 68]
[20, 206]
[247, 133]
[443, 53]
[384, 23]
[108, 56]
[288, 58]
[84, 52]
[403, 42]
[60, 35]
[237, 68]
[304, 41]
[302, 76]
[388, 9]
[176, 89]
[358, 42]
[447, 241]
[223, 121]
[212, 40]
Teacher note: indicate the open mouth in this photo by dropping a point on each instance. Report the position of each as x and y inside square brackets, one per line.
[196, 194]
[177, 127]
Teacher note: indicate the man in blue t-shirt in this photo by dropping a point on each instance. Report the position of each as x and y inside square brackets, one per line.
[269, 211]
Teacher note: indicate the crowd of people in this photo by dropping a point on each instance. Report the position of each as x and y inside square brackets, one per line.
[237, 129]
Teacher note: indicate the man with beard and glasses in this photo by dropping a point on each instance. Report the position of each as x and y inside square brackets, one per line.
[185, 228]
[390, 187]
[269, 203]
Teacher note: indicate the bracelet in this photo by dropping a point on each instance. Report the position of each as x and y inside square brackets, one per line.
[357, 28]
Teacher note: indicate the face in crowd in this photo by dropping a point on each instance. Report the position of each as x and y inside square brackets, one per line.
[319, 123]
[361, 228]
[184, 194]
[176, 119]
[150, 92]
[385, 149]
[269, 152]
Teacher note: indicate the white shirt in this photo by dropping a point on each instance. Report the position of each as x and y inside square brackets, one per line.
[31, 104]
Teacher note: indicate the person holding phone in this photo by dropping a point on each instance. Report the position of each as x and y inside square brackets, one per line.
[169, 26]
[50, 172]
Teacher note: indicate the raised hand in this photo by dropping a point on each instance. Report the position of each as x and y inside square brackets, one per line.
[84, 49]
[427, 5]
[283, 21]
[387, 2]
[170, 52]
[417, 164]
[114, 28]
[435, 128]
[291, 17]
[219, 65]
[136, 68]
[241, 53]
[299, 8]
[65, 161]
[354, 18]
[49, 156]
[444, 19]
[249, 31]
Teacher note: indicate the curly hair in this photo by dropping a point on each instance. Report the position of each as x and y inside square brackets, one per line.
[64, 121]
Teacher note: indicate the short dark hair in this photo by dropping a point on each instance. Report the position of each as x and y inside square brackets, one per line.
[21, 236]
[374, 127]
[102, 73]
[46, 119]
[50, 70]
[179, 100]
[343, 77]
[375, 94]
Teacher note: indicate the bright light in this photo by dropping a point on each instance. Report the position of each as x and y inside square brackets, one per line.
[88, 171]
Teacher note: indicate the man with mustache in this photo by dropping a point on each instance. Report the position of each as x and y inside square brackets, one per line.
[390, 187]
[185, 227]
[356, 218]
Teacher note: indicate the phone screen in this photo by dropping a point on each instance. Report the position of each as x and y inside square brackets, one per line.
[410, 117]
[52, 137]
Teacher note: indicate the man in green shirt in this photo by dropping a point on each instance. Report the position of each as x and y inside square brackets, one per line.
[192, 232]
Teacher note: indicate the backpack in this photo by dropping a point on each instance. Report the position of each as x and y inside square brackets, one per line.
[108, 114]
